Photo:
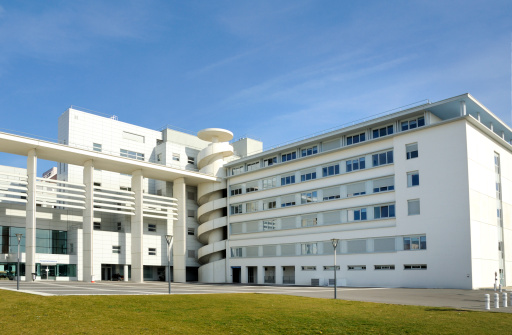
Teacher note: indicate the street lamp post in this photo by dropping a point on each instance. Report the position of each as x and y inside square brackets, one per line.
[18, 271]
[168, 238]
[334, 245]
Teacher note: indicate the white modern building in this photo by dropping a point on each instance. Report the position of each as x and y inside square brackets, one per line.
[419, 197]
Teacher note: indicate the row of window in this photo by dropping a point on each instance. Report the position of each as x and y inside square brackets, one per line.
[116, 249]
[363, 267]
[351, 139]
[150, 228]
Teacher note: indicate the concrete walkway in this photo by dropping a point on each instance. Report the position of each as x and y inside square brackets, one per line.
[452, 298]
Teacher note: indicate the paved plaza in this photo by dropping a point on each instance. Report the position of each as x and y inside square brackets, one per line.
[463, 299]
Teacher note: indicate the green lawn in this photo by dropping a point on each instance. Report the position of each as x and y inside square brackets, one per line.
[233, 314]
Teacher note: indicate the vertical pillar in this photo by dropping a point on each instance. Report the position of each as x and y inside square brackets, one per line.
[30, 230]
[125, 272]
[179, 257]
[279, 275]
[88, 225]
[137, 228]
[462, 108]
[244, 276]
[260, 273]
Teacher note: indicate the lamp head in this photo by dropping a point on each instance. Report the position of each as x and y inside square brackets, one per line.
[334, 242]
[168, 238]
[19, 237]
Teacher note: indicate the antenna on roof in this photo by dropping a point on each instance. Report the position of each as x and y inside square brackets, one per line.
[114, 117]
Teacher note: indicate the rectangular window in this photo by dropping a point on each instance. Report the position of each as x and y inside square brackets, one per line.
[289, 156]
[415, 266]
[309, 197]
[308, 268]
[253, 166]
[131, 154]
[356, 189]
[251, 207]
[269, 224]
[331, 267]
[269, 183]
[413, 179]
[384, 184]
[330, 170]
[237, 170]
[382, 158]
[309, 151]
[381, 212]
[356, 246]
[415, 242]
[288, 200]
[359, 214]
[152, 251]
[251, 187]
[382, 131]
[331, 193]
[411, 151]
[384, 267]
[97, 147]
[269, 161]
[307, 175]
[125, 188]
[191, 213]
[119, 226]
[152, 227]
[356, 138]
[356, 164]
[236, 252]
[236, 209]
[191, 253]
[190, 231]
[411, 124]
[191, 160]
[116, 249]
[97, 225]
[356, 267]
[288, 180]
[413, 207]
[309, 221]
[269, 204]
[191, 196]
[176, 157]
[309, 249]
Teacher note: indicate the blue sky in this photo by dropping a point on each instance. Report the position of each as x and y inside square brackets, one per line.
[271, 70]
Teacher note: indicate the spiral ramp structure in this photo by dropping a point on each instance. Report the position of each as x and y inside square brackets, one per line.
[212, 211]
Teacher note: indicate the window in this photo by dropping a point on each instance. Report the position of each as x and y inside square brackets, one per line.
[309, 221]
[288, 156]
[308, 175]
[269, 204]
[97, 225]
[288, 200]
[415, 266]
[384, 267]
[116, 249]
[413, 179]
[191, 213]
[309, 151]
[236, 252]
[152, 227]
[382, 185]
[251, 187]
[356, 189]
[355, 164]
[269, 224]
[269, 161]
[251, 207]
[97, 147]
[132, 154]
[411, 150]
[411, 124]
[309, 249]
[190, 231]
[356, 267]
[176, 157]
[382, 158]
[191, 196]
[413, 207]
[237, 170]
[356, 138]
[269, 183]
[236, 209]
[288, 180]
[236, 190]
[331, 267]
[309, 197]
[119, 226]
[415, 242]
[308, 268]
[191, 253]
[152, 251]
[191, 160]
[125, 188]
[357, 214]
[381, 212]
[382, 131]
[330, 170]
[331, 193]
[96, 184]
[253, 166]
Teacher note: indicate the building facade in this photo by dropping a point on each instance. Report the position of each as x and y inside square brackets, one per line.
[417, 198]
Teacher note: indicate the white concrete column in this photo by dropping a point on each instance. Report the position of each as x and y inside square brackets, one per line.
[279, 275]
[179, 257]
[137, 228]
[462, 108]
[260, 275]
[244, 275]
[88, 222]
[125, 272]
[30, 230]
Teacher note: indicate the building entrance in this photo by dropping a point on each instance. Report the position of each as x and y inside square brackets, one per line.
[106, 272]
[48, 272]
[236, 274]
